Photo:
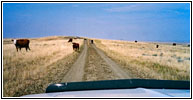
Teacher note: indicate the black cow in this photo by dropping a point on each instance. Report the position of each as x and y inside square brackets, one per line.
[91, 41]
[157, 46]
[70, 40]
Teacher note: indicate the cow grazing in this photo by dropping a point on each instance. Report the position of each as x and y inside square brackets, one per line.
[135, 41]
[157, 46]
[70, 40]
[21, 43]
[75, 46]
[174, 44]
[92, 41]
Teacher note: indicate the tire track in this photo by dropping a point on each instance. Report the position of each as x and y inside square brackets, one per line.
[75, 74]
[114, 67]
[96, 68]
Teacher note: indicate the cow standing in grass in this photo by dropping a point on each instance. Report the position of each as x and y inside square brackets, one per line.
[157, 46]
[91, 41]
[21, 43]
[70, 40]
[75, 46]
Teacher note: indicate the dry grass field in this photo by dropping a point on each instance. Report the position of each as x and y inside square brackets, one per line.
[51, 58]
[31, 72]
[144, 60]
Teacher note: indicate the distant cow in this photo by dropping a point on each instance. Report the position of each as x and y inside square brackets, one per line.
[70, 40]
[92, 41]
[174, 44]
[135, 41]
[21, 43]
[75, 46]
[157, 46]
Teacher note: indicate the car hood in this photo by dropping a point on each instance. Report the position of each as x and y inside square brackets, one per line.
[137, 92]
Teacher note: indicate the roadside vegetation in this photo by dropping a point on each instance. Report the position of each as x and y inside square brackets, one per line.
[50, 58]
[143, 60]
[31, 72]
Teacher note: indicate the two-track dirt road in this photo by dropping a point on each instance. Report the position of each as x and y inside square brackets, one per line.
[92, 64]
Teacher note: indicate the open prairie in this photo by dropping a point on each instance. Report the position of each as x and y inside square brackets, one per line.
[144, 60]
[32, 71]
[52, 60]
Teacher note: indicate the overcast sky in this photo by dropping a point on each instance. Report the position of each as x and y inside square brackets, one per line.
[122, 21]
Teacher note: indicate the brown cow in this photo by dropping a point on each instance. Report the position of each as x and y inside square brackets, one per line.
[70, 40]
[75, 46]
[21, 43]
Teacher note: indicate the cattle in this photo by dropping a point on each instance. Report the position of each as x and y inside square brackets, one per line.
[70, 40]
[174, 44]
[21, 43]
[75, 46]
[91, 41]
[135, 41]
[157, 46]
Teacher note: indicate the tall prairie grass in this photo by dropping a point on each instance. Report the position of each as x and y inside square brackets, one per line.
[144, 60]
[32, 71]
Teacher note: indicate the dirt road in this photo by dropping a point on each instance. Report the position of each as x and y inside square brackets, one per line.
[92, 64]
[77, 70]
[114, 67]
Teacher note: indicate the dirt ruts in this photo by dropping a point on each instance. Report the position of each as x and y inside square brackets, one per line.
[92, 64]
[96, 68]
[113, 66]
[77, 70]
